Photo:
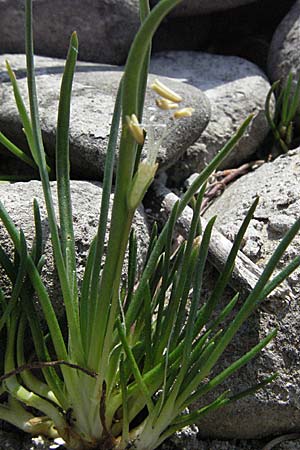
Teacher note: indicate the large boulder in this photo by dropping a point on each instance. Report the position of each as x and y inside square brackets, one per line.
[105, 29]
[235, 88]
[284, 53]
[274, 410]
[94, 93]
[13, 441]
[193, 7]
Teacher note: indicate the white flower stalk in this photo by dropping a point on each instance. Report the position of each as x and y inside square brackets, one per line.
[146, 170]
[140, 183]
[165, 92]
[135, 129]
[153, 144]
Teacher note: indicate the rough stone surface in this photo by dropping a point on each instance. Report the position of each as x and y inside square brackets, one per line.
[94, 92]
[17, 441]
[275, 410]
[193, 7]
[105, 29]
[86, 196]
[284, 53]
[235, 89]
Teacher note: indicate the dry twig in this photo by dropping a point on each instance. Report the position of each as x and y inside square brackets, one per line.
[245, 273]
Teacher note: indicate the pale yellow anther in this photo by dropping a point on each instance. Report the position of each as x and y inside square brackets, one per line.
[184, 112]
[165, 104]
[165, 92]
[135, 129]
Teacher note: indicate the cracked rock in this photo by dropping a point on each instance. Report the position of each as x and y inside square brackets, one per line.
[276, 409]
[17, 198]
[94, 92]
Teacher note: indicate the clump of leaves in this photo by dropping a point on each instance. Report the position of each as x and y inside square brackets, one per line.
[134, 356]
[287, 109]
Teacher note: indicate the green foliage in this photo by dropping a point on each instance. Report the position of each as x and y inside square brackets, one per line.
[287, 108]
[135, 355]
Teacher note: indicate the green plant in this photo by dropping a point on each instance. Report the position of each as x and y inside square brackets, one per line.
[135, 356]
[286, 110]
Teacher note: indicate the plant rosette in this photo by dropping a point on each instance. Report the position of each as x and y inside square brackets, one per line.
[134, 356]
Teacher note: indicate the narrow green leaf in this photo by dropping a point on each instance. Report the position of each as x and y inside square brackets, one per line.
[268, 108]
[197, 286]
[37, 246]
[22, 112]
[63, 167]
[153, 258]
[286, 99]
[16, 151]
[224, 277]
[254, 388]
[102, 227]
[132, 266]
[85, 304]
[75, 341]
[279, 278]
[31, 382]
[39, 287]
[18, 282]
[134, 367]
[251, 302]
[294, 103]
[125, 416]
[222, 400]
[135, 68]
[147, 333]
[223, 375]
[165, 277]
[224, 313]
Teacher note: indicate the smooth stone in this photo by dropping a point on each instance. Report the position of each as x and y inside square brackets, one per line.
[246, 31]
[193, 7]
[17, 198]
[274, 410]
[105, 29]
[284, 52]
[94, 91]
[235, 88]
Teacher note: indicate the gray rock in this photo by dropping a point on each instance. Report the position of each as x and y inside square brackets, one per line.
[94, 93]
[284, 52]
[235, 89]
[182, 33]
[235, 444]
[193, 7]
[86, 197]
[105, 29]
[276, 409]
[180, 441]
